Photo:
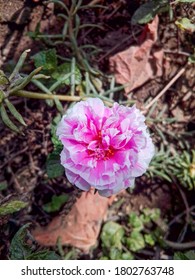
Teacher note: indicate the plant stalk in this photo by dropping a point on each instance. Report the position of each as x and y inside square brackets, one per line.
[44, 96]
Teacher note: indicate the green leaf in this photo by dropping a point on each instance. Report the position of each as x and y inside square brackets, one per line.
[146, 12]
[153, 214]
[104, 258]
[65, 69]
[149, 239]
[185, 24]
[191, 58]
[1, 96]
[34, 34]
[12, 207]
[189, 255]
[112, 234]
[14, 112]
[136, 241]
[43, 255]
[3, 185]
[56, 203]
[3, 79]
[58, 104]
[53, 167]
[71, 255]
[145, 219]
[22, 249]
[7, 120]
[127, 256]
[56, 142]
[115, 254]
[136, 221]
[19, 249]
[46, 59]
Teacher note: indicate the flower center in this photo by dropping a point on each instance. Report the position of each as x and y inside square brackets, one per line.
[98, 151]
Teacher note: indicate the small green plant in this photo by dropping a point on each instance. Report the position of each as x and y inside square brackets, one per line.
[53, 167]
[13, 85]
[72, 25]
[142, 230]
[180, 166]
[146, 12]
[23, 247]
[11, 207]
[57, 201]
[64, 74]
[9, 86]
[183, 169]
[189, 255]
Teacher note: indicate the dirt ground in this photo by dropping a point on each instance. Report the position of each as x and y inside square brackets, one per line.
[23, 157]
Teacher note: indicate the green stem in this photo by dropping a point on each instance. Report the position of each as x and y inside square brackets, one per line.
[54, 36]
[73, 39]
[26, 81]
[72, 78]
[37, 95]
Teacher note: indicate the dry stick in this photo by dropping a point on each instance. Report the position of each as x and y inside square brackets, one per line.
[177, 218]
[13, 157]
[185, 203]
[16, 183]
[94, 2]
[180, 246]
[172, 81]
[177, 52]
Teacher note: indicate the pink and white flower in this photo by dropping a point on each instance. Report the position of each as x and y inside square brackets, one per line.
[105, 148]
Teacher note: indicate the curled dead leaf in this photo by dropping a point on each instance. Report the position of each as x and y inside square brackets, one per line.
[136, 65]
[81, 227]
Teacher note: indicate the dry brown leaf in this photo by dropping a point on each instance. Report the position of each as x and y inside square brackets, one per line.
[138, 64]
[81, 227]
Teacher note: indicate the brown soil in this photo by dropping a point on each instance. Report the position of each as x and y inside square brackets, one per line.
[23, 157]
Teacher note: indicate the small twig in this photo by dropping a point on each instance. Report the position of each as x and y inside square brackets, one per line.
[180, 246]
[177, 52]
[33, 168]
[172, 81]
[179, 216]
[182, 233]
[94, 2]
[16, 183]
[184, 200]
[13, 157]
[114, 11]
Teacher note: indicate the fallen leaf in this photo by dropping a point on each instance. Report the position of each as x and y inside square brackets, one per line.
[81, 227]
[185, 24]
[136, 65]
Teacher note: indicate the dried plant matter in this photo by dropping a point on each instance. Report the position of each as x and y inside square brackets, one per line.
[136, 65]
[80, 228]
